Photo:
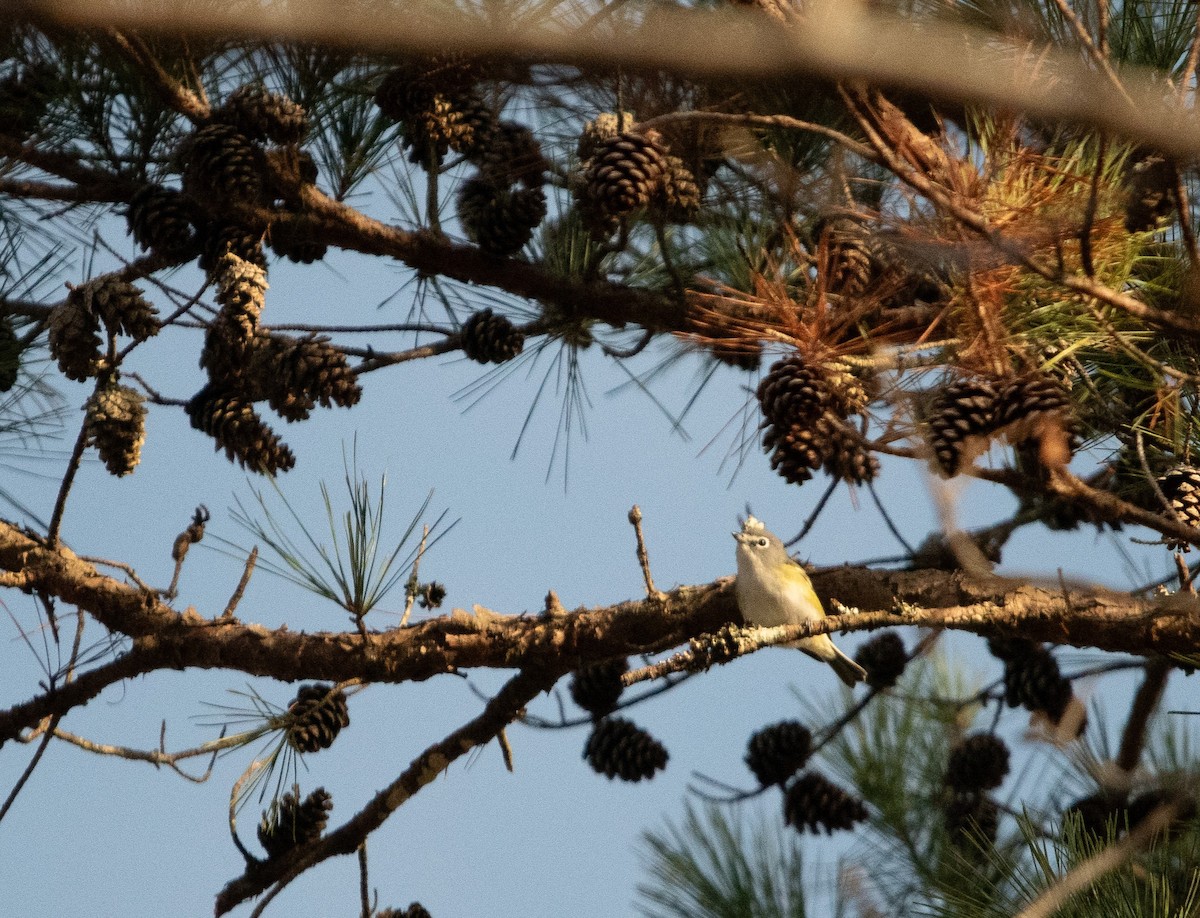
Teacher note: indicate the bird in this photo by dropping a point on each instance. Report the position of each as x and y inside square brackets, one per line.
[772, 589]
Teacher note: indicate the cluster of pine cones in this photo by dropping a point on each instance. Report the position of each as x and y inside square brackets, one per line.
[616, 747]
[624, 172]
[964, 416]
[1032, 679]
[248, 154]
[977, 764]
[115, 414]
[436, 102]
[238, 169]
[807, 406]
[810, 801]
[245, 364]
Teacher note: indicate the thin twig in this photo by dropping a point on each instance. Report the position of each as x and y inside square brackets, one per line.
[182, 99]
[1089, 213]
[60, 502]
[887, 519]
[1184, 211]
[33, 763]
[414, 582]
[764, 122]
[1146, 699]
[505, 750]
[815, 515]
[121, 566]
[155, 757]
[247, 571]
[643, 556]
[235, 794]
[364, 886]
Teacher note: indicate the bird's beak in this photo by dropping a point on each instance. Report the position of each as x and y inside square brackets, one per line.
[740, 536]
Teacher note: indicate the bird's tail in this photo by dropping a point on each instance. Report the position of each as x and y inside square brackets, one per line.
[848, 671]
[822, 648]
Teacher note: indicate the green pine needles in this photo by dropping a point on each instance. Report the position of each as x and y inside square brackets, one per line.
[355, 568]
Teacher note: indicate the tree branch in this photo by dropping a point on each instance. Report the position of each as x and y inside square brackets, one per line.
[988, 606]
[499, 712]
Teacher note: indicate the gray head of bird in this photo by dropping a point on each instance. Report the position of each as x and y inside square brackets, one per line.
[757, 544]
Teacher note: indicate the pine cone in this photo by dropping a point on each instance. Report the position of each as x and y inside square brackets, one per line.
[778, 751]
[293, 243]
[849, 459]
[221, 239]
[625, 174]
[678, 194]
[884, 659]
[1033, 681]
[814, 803]
[852, 265]
[263, 115]
[122, 307]
[10, 354]
[162, 220]
[977, 763]
[1023, 404]
[434, 101]
[409, 89]
[489, 338]
[1097, 811]
[961, 414]
[801, 450]
[295, 374]
[499, 220]
[238, 429]
[241, 291]
[316, 717]
[221, 164]
[116, 426]
[25, 95]
[618, 748]
[414, 910]
[794, 391]
[511, 155]
[1008, 649]
[1181, 486]
[1151, 183]
[741, 354]
[971, 815]
[598, 688]
[74, 339]
[288, 824]
[604, 128]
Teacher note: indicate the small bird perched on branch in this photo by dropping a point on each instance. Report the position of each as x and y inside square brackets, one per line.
[774, 590]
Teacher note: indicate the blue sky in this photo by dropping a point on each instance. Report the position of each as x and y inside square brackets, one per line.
[120, 838]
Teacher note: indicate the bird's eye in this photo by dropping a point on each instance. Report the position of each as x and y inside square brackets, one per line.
[762, 542]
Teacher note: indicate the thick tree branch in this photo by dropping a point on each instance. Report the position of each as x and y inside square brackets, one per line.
[989, 606]
[837, 41]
